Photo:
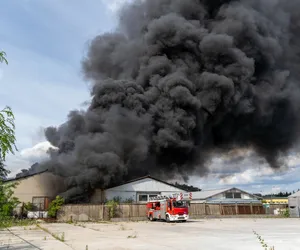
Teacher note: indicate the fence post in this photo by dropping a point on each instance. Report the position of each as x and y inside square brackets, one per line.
[236, 209]
[251, 208]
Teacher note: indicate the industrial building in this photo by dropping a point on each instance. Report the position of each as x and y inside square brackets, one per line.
[42, 187]
[137, 191]
[294, 205]
[39, 188]
[224, 196]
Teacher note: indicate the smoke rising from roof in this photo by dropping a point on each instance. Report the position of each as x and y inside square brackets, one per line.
[178, 81]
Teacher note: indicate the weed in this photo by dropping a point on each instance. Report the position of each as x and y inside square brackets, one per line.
[122, 227]
[56, 236]
[86, 247]
[11, 222]
[133, 236]
[262, 242]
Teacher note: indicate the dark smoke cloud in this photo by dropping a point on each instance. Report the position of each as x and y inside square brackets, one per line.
[178, 81]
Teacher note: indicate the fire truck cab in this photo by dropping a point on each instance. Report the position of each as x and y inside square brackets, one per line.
[169, 208]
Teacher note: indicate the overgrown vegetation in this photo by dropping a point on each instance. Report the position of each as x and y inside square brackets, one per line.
[7, 201]
[286, 213]
[11, 222]
[262, 242]
[54, 206]
[60, 237]
[28, 207]
[112, 207]
[7, 145]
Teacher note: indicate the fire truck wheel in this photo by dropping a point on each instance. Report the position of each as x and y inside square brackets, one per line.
[151, 217]
[167, 218]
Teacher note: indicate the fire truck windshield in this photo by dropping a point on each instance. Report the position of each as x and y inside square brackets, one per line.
[179, 204]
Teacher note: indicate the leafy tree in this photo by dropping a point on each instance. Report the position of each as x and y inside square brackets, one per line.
[7, 131]
[3, 57]
[7, 145]
[7, 201]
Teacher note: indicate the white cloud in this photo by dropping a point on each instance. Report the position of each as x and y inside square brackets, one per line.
[115, 5]
[27, 157]
[37, 152]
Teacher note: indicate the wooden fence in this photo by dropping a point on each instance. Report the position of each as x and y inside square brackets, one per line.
[138, 211]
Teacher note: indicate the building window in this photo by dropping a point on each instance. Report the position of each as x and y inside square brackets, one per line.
[144, 197]
[231, 195]
[237, 195]
[40, 203]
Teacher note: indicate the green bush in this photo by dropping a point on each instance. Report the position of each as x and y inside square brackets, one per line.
[28, 206]
[112, 206]
[286, 213]
[7, 202]
[54, 206]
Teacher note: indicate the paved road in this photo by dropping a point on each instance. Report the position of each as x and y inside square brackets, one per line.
[211, 234]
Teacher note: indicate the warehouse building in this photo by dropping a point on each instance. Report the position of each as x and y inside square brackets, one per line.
[294, 205]
[39, 188]
[225, 196]
[137, 191]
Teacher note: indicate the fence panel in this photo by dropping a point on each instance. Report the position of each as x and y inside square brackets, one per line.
[197, 209]
[128, 211]
[228, 209]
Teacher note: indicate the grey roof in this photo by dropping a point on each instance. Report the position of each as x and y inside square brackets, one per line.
[233, 201]
[297, 194]
[204, 194]
[24, 176]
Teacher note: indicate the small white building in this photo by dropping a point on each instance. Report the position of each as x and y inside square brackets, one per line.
[138, 190]
[294, 205]
[225, 196]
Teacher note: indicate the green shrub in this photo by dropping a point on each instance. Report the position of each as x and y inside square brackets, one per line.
[7, 201]
[28, 206]
[286, 213]
[112, 206]
[54, 206]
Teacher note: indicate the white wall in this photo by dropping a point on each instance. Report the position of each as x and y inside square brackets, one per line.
[133, 189]
[244, 196]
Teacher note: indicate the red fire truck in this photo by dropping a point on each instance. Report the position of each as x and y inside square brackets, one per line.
[169, 208]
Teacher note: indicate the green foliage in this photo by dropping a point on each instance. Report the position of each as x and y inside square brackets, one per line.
[128, 201]
[11, 222]
[54, 206]
[3, 57]
[7, 132]
[286, 213]
[28, 206]
[7, 201]
[112, 206]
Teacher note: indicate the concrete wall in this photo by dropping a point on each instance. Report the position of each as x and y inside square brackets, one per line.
[294, 207]
[44, 185]
[133, 189]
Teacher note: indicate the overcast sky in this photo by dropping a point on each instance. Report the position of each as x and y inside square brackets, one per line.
[45, 42]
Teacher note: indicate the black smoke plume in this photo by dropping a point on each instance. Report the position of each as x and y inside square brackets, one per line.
[180, 80]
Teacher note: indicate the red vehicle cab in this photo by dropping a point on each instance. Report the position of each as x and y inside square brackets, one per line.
[169, 208]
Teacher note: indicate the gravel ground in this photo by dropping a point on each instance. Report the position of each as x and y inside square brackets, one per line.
[211, 234]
